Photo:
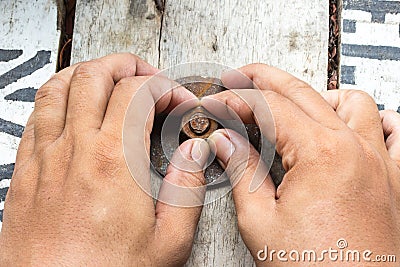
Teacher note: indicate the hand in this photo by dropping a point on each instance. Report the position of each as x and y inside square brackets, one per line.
[341, 181]
[391, 129]
[72, 199]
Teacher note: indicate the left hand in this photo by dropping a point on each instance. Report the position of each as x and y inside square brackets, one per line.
[72, 199]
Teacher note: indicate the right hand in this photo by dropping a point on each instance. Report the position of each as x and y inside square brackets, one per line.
[341, 181]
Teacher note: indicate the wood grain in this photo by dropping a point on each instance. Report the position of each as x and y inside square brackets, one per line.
[109, 26]
[292, 35]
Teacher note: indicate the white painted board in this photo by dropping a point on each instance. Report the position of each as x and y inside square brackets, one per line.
[28, 55]
[370, 50]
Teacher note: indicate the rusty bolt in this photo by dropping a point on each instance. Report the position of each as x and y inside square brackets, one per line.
[198, 124]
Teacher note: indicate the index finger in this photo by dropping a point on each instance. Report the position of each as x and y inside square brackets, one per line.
[91, 86]
[131, 110]
[280, 121]
[265, 77]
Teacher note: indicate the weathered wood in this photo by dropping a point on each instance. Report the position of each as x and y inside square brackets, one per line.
[236, 33]
[109, 26]
[28, 56]
[291, 35]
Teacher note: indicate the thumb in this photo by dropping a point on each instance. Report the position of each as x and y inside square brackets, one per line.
[253, 188]
[180, 199]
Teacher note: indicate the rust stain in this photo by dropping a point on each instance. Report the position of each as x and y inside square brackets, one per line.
[205, 88]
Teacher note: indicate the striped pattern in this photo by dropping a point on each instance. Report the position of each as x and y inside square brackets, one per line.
[370, 50]
[28, 51]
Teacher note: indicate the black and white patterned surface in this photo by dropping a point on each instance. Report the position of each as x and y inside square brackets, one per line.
[28, 51]
[9, 129]
[370, 49]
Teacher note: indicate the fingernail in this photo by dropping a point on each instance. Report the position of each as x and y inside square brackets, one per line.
[222, 146]
[200, 152]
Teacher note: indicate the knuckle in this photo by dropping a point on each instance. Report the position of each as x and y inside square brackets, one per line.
[129, 56]
[391, 116]
[187, 179]
[130, 82]
[50, 92]
[124, 70]
[67, 140]
[29, 132]
[122, 54]
[89, 69]
[235, 104]
[359, 96]
[44, 134]
[258, 66]
[123, 83]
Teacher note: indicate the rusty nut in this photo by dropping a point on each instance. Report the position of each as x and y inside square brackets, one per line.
[198, 123]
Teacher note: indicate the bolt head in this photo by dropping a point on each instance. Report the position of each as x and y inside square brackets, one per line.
[199, 124]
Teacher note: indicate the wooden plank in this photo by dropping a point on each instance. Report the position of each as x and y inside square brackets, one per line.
[291, 35]
[108, 26]
[28, 56]
[370, 50]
